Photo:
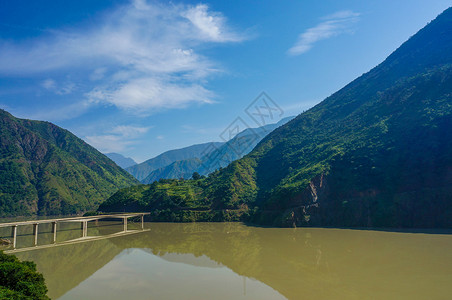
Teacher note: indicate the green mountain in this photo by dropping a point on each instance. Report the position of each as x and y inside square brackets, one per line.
[46, 170]
[142, 170]
[376, 153]
[219, 157]
[121, 160]
[177, 170]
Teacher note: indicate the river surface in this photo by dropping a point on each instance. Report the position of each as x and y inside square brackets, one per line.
[234, 261]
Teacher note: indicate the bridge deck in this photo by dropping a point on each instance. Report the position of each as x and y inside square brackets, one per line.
[83, 220]
[74, 219]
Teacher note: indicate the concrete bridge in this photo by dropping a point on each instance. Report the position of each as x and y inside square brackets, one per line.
[84, 227]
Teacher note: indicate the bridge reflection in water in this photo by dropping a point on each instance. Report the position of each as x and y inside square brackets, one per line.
[54, 228]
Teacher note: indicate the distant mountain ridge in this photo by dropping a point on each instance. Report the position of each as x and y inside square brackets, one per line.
[142, 170]
[221, 156]
[121, 160]
[46, 170]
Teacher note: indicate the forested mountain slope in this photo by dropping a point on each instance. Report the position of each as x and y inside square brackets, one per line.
[47, 170]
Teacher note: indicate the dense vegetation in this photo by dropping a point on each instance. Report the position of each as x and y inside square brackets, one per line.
[46, 170]
[176, 201]
[20, 280]
[376, 153]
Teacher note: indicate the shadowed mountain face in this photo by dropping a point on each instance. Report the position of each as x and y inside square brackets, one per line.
[46, 170]
[120, 160]
[176, 170]
[220, 156]
[297, 263]
[142, 170]
[376, 153]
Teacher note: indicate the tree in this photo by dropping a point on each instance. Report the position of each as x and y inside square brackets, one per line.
[196, 176]
[20, 280]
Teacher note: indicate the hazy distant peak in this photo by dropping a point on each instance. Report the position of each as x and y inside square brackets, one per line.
[121, 160]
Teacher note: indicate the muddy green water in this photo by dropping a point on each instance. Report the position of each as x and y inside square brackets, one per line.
[234, 261]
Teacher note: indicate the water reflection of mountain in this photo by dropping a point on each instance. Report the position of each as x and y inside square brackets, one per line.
[66, 267]
[325, 263]
[190, 259]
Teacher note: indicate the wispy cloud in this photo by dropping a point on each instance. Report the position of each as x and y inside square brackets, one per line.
[129, 131]
[98, 74]
[63, 89]
[149, 93]
[211, 26]
[332, 25]
[117, 139]
[57, 113]
[49, 84]
[141, 57]
[108, 143]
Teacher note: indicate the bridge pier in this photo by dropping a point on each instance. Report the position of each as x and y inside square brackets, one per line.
[124, 222]
[84, 228]
[142, 222]
[35, 233]
[54, 231]
[14, 234]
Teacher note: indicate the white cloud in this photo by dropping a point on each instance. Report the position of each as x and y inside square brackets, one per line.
[333, 25]
[342, 14]
[57, 113]
[51, 85]
[98, 74]
[211, 26]
[117, 139]
[150, 50]
[66, 89]
[151, 93]
[129, 131]
[108, 143]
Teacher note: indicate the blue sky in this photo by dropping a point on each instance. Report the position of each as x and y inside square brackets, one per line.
[142, 77]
